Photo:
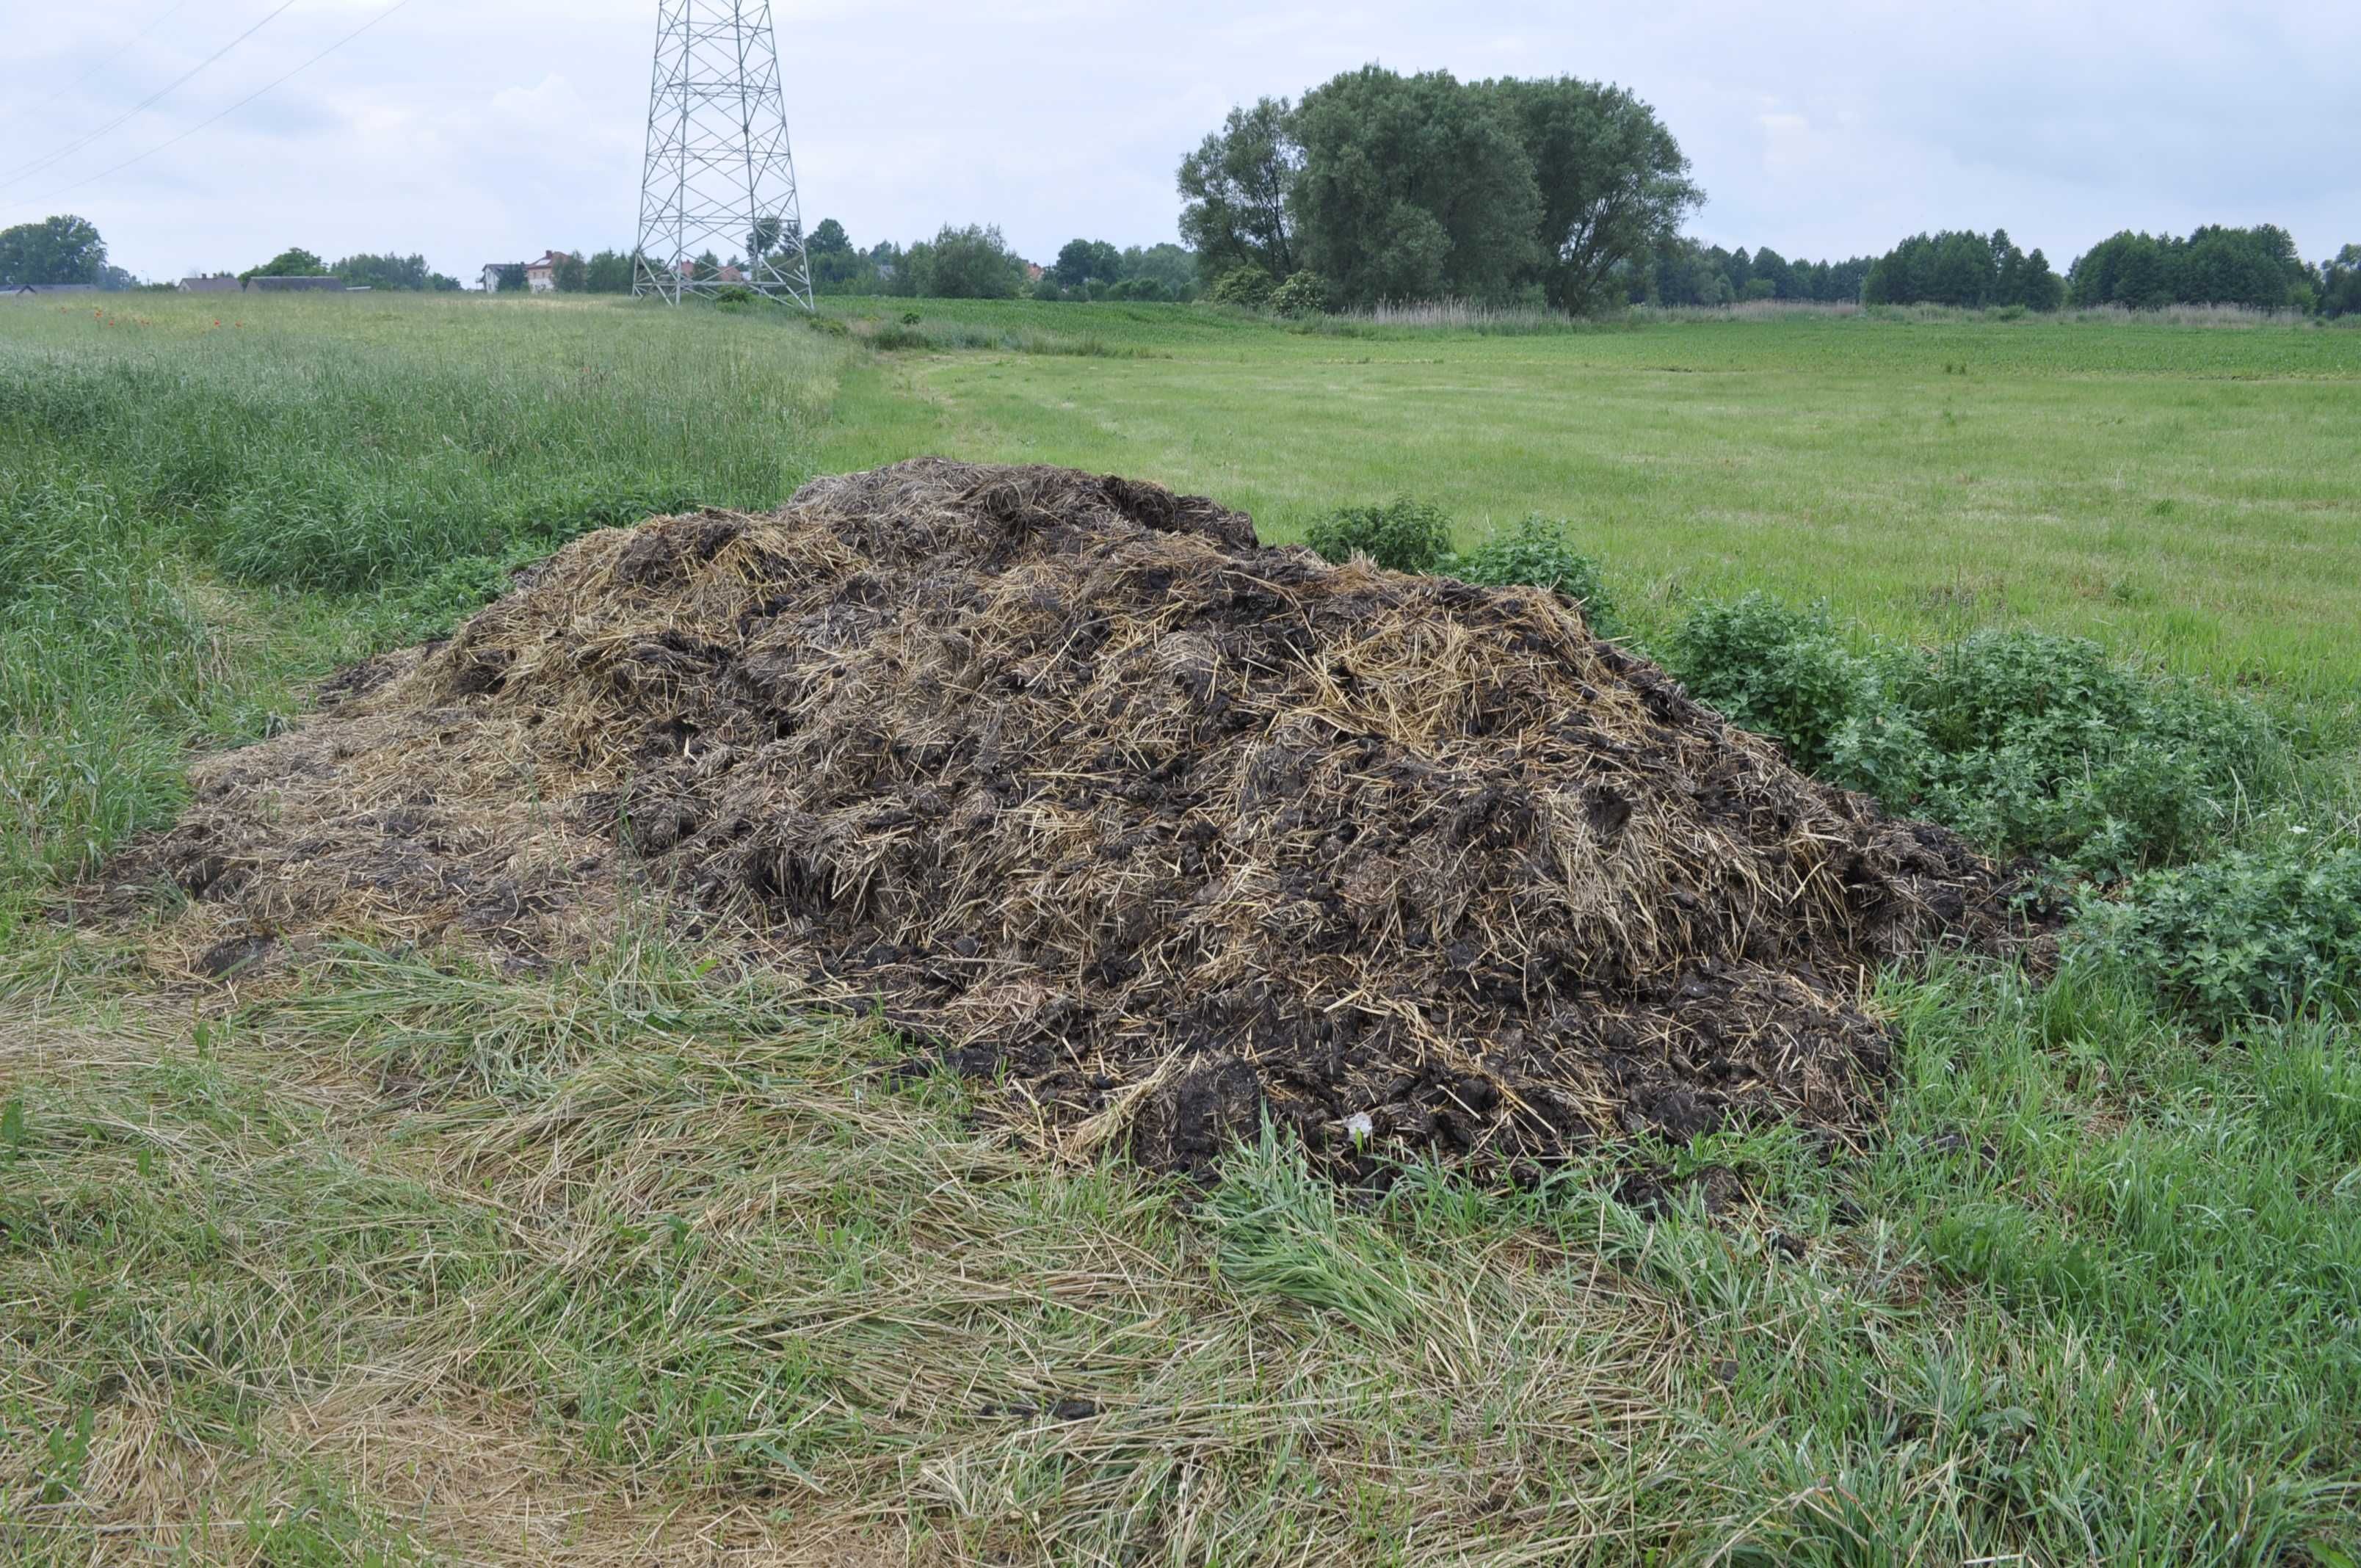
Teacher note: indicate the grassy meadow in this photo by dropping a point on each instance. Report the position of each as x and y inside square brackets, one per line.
[635, 1262]
[2189, 492]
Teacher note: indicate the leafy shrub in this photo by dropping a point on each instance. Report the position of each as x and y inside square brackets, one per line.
[1778, 671]
[2240, 936]
[1405, 535]
[2027, 742]
[1304, 294]
[734, 297]
[893, 335]
[1537, 551]
[2044, 743]
[1247, 287]
[910, 318]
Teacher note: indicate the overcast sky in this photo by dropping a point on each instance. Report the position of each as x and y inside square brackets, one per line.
[478, 131]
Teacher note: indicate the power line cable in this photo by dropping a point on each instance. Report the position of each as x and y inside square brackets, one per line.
[152, 24]
[233, 108]
[72, 147]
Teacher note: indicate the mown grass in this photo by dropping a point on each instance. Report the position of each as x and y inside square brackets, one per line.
[2089, 1302]
[634, 1261]
[2180, 492]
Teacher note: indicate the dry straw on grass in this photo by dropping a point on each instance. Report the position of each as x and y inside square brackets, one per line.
[1081, 786]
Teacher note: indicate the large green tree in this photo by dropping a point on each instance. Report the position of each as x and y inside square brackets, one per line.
[1082, 262]
[1413, 188]
[607, 272]
[1612, 180]
[62, 249]
[1238, 190]
[293, 262]
[969, 263]
[1395, 187]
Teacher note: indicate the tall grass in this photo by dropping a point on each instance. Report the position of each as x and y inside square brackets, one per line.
[198, 509]
[334, 444]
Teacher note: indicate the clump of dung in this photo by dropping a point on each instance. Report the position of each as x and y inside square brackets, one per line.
[1086, 789]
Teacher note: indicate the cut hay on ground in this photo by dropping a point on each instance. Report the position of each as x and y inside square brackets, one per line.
[1086, 789]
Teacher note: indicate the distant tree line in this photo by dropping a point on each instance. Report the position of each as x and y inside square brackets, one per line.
[1962, 268]
[2340, 283]
[2257, 268]
[1279, 191]
[2214, 266]
[1096, 269]
[1385, 187]
[1684, 271]
[391, 271]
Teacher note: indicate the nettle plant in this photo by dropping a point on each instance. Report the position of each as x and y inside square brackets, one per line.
[2120, 779]
[1408, 535]
[1538, 553]
[2028, 742]
[2247, 936]
[1403, 535]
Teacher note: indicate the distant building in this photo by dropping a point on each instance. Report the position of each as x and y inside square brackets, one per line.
[541, 277]
[219, 283]
[296, 285]
[15, 291]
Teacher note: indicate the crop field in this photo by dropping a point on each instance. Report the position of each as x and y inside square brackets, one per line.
[399, 1250]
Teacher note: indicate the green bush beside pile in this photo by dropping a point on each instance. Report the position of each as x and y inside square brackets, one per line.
[1537, 551]
[2028, 742]
[1403, 535]
[2246, 936]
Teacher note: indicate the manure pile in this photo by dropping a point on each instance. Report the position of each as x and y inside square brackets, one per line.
[1082, 787]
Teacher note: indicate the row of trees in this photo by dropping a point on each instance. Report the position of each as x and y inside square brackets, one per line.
[367, 270]
[1684, 273]
[2254, 267]
[1390, 187]
[1249, 241]
[1096, 269]
[1959, 267]
[2213, 266]
[364, 270]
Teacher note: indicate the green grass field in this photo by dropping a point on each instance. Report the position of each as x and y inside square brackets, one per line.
[631, 1263]
[2188, 492]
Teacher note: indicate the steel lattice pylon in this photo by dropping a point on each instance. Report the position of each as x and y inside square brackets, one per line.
[718, 175]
